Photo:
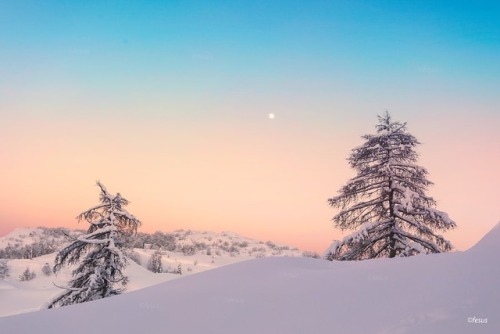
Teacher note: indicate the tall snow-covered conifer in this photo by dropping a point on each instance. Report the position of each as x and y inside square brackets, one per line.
[386, 202]
[99, 274]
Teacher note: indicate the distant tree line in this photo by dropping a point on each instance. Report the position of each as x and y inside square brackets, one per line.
[165, 241]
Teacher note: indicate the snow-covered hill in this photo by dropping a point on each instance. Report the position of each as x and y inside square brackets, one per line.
[32, 242]
[444, 293]
[194, 252]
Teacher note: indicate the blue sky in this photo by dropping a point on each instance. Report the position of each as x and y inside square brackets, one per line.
[212, 48]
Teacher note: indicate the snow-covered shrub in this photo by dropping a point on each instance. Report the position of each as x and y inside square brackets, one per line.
[200, 245]
[233, 250]
[162, 240]
[188, 250]
[46, 269]
[179, 269]
[270, 244]
[27, 275]
[313, 255]
[154, 264]
[4, 269]
[243, 244]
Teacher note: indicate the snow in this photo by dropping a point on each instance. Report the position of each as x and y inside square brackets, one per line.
[32, 295]
[19, 236]
[489, 244]
[441, 293]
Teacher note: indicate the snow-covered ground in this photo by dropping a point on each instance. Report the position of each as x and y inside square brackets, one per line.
[225, 248]
[445, 293]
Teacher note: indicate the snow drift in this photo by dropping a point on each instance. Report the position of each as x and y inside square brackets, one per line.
[442, 293]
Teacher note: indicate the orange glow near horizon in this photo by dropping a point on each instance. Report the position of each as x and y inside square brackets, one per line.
[262, 180]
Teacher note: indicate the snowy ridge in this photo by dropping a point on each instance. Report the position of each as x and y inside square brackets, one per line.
[490, 243]
[441, 293]
[23, 236]
[228, 243]
[32, 242]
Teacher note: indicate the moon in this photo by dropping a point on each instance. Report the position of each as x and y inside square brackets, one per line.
[271, 116]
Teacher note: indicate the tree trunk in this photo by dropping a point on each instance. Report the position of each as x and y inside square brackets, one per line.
[392, 236]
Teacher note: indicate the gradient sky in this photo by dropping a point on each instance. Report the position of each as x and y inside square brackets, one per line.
[167, 102]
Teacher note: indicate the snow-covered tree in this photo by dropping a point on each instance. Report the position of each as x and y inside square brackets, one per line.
[46, 270]
[27, 275]
[154, 264]
[179, 269]
[100, 273]
[4, 269]
[386, 202]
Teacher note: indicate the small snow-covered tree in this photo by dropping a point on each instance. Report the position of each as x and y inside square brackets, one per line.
[154, 264]
[46, 269]
[4, 269]
[100, 273]
[386, 202]
[27, 275]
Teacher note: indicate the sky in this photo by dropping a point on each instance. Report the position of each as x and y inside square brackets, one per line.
[168, 103]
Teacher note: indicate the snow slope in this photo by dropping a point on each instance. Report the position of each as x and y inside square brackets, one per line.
[226, 248]
[19, 297]
[444, 293]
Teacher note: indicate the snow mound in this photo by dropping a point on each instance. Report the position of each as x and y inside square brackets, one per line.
[423, 294]
[489, 244]
[442, 293]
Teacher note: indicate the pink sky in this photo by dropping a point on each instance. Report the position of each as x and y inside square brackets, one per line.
[265, 179]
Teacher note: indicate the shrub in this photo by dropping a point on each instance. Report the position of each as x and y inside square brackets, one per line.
[155, 264]
[179, 269]
[270, 244]
[188, 250]
[27, 275]
[313, 255]
[46, 269]
[4, 269]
